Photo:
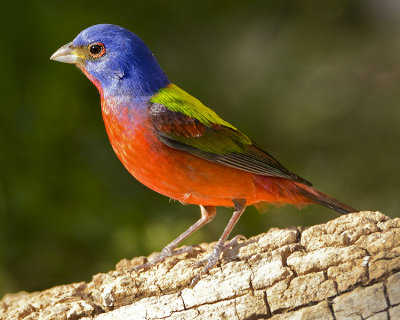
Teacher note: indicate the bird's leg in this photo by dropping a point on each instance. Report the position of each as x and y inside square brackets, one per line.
[240, 206]
[207, 214]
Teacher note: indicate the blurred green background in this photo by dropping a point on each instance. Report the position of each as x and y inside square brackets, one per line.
[315, 82]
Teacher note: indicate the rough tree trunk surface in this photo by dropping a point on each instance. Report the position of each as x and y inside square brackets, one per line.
[348, 268]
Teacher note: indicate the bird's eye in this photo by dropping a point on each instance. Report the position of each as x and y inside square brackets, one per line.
[96, 50]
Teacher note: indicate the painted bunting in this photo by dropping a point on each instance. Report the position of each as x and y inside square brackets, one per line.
[174, 144]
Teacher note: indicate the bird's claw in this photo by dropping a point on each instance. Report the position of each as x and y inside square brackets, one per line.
[165, 253]
[188, 249]
[213, 258]
[210, 262]
[234, 242]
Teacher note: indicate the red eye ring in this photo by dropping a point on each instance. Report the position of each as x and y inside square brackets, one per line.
[97, 49]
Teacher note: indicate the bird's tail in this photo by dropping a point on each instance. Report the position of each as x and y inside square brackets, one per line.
[323, 199]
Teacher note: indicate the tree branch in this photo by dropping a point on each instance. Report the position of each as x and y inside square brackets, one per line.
[347, 268]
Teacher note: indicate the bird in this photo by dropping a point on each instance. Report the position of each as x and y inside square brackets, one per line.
[175, 145]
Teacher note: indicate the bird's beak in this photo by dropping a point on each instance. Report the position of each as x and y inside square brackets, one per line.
[68, 54]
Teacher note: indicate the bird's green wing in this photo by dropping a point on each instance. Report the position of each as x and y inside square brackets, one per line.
[183, 122]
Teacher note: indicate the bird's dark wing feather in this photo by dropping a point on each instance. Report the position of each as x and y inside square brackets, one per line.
[215, 142]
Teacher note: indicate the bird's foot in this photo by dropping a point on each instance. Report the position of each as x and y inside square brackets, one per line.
[209, 262]
[165, 253]
[214, 257]
[234, 242]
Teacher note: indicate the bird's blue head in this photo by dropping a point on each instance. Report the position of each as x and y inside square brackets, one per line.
[117, 61]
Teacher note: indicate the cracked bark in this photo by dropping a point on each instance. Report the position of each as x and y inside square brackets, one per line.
[348, 268]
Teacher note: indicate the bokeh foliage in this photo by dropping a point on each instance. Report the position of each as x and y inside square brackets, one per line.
[315, 82]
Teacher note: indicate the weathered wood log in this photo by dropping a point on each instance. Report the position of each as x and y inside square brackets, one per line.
[348, 268]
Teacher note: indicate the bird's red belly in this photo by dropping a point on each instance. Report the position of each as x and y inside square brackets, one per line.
[174, 173]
